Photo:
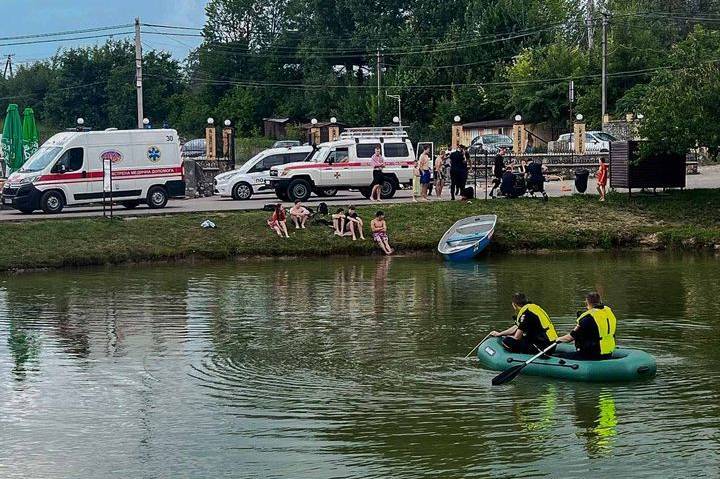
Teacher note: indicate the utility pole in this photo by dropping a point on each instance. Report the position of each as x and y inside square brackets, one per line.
[139, 74]
[8, 66]
[589, 22]
[378, 73]
[604, 66]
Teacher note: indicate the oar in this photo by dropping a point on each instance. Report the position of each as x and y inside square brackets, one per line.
[478, 345]
[509, 374]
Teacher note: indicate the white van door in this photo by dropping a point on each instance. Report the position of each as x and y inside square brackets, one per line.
[70, 173]
[337, 171]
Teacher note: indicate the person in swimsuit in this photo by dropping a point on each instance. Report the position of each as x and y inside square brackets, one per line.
[379, 231]
[424, 170]
[441, 173]
[340, 223]
[277, 221]
[299, 214]
[602, 177]
[354, 223]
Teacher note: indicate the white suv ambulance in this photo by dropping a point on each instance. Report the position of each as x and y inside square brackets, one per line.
[251, 177]
[345, 163]
[68, 170]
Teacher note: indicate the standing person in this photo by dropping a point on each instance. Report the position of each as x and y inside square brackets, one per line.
[441, 173]
[378, 162]
[456, 167]
[416, 181]
[379, 231]
[277, 221]
[466, 167]
[354, 222]
[299, 214]
[498, 170]
[533, 330]
[594, 335]
[424, 168]
[602, 177]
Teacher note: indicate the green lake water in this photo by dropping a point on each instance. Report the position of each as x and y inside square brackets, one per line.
[331, 368]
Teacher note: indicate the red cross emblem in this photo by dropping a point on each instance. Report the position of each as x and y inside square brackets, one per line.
[337, 175]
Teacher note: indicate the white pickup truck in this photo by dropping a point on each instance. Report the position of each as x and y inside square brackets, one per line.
[345, 164]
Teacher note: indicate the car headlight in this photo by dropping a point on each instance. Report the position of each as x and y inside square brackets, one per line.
[27, 180]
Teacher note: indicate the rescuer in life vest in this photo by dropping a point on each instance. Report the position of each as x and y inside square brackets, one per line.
[533, 331]
[594, 335]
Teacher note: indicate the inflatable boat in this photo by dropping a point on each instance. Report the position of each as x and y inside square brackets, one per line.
[625, 365]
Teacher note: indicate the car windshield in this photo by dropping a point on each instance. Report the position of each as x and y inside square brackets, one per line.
[605, 136]
[495, 139]
[320, 155]
[41, 159]
[250, 163]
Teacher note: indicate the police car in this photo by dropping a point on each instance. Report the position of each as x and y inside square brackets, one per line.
[250, 178]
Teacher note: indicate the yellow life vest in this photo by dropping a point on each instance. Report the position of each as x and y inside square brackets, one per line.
[545, 322]
[606, 324]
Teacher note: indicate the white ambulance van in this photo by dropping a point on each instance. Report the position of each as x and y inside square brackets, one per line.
[67, 170]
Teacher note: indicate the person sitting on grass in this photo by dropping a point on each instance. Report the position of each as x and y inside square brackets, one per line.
[277, 221]
[340, 223]
[299, 214]
[379, 231]
[355, 223]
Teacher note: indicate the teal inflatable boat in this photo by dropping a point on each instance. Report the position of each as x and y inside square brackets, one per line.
[625, 365]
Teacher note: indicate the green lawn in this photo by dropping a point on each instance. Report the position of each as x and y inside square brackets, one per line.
[688, 219]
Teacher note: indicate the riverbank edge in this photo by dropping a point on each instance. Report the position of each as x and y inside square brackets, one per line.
[678, 221]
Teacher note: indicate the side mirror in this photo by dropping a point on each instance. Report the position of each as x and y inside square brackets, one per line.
[59, 168]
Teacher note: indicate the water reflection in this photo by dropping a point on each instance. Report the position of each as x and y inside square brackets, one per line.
[346, 368]
[597, 421]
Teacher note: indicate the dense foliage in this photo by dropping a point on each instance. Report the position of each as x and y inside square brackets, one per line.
[480, 59]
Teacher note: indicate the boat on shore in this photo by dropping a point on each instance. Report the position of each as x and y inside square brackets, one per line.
[625, 365]
[467, 238]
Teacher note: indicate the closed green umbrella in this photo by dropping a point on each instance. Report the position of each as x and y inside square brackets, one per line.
[12, 141]
[30, 134]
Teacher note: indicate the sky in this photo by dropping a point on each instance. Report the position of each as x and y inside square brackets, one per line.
[30, 17]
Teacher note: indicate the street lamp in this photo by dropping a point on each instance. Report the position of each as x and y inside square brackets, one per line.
[396, 119]
[211, 121]
[579, 117]
[333, 120]
[518, 118]
[457, 118]
[399, 115]
[80, 122]
[227, 123]
[313, 121]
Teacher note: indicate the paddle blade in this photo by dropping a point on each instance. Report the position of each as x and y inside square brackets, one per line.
[507, 375]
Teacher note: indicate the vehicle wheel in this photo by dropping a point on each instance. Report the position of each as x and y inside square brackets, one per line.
[130, 204]
[52, 202]
[157, 197]
[365, 191]
[242, 191]
[326, 192]
[282, 194]
[299, 190]
[387, 189]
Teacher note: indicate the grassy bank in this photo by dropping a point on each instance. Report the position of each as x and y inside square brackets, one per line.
[687, 220]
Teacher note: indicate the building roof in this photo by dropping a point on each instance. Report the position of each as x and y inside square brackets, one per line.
[488, 123]
[277, 120]
[323, 124]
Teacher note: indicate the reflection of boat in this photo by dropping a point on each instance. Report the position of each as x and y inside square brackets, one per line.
[625, 365]
[467, 237]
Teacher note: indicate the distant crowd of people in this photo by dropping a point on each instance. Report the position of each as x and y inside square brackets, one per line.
[448, 167]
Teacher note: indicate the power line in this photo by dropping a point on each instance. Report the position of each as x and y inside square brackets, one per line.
[538, 81]
[35, 42]
[67, 32]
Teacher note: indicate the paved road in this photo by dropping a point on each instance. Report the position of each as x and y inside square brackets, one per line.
[709, 177]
